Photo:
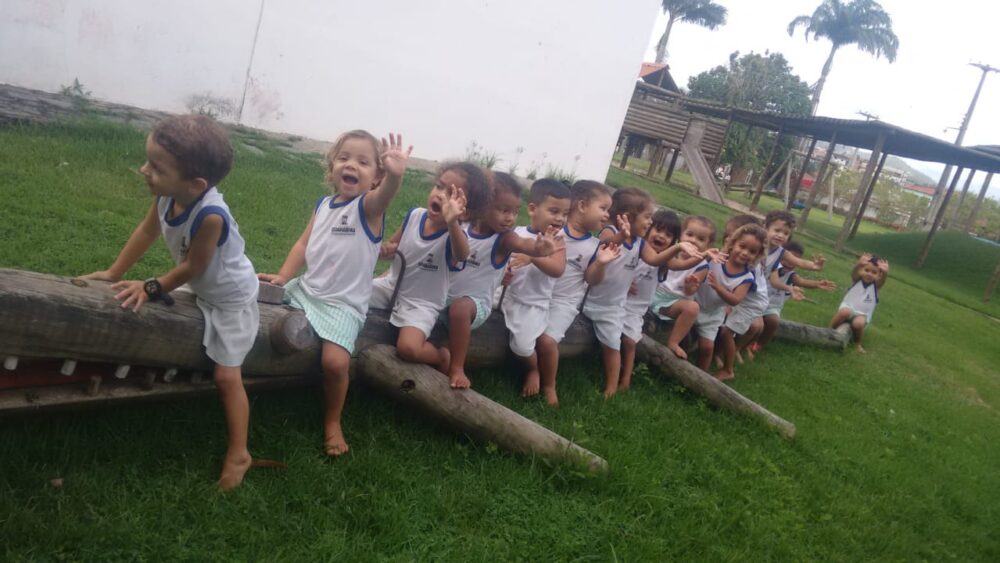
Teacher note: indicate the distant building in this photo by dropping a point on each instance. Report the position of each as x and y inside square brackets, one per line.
[658, 74]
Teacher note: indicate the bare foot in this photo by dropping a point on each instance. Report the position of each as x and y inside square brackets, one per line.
[531, 383]
[750, 355]
[444, 363]
[335, 445]
[624, 383]
[608, 393]
[860, 349]
[718, 362]
[723, 375]
[458, 380]
[550, 396]
[678, 351]
[234, 468]
[739, 357]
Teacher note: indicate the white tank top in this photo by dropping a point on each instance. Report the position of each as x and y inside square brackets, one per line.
[773, 260]
[229, 280]
[708, 298]
[757, 298]
[341, 254]
[530, 286]
[480, 274]
[646, 279]
[862, 298]
[428, 262]
[674, 281]
[618, 274]
[777, 297]
[580, 253]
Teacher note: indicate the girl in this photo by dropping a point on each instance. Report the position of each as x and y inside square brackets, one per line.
[433, 244]
[858, 306]
[339, 248]
[728, 284]
[471, 289]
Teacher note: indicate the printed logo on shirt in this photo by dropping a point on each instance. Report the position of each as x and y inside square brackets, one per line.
[577, 262]
[428, 263]
[633, 263]
[473, 259]
[184, 247]
[343, 229]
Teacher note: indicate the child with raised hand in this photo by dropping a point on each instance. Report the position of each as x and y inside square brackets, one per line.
[727, 284]
[745, 320]
[674, 297]
[339, 248]
[491, 242]
[433, 244]
[632, 210]
[588, 212]
[525, 303]
[186, 158]
[869, 275]
[785, 283]
[780, 225]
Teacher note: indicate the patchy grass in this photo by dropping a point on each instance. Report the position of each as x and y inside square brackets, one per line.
[895, 459]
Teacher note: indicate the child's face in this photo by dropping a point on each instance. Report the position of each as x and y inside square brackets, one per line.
[503, 213]
[594, 212]
[354, 169]
[551, 212]
[698, 234]
[643, 219]
[163, 173]
[439, 193]
[659, 239]
[745, 250]
[778, 233]
[869, 273]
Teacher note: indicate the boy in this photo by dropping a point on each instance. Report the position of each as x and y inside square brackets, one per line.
[526, 303]
[186, 157]
[858, 306]
[785, 283]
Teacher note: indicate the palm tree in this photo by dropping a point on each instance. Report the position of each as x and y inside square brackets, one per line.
[861, 22]
[700, 12]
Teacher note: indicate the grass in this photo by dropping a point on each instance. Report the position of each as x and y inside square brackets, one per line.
[895, 459]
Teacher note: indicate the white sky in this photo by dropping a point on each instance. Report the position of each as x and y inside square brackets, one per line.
[928, 88]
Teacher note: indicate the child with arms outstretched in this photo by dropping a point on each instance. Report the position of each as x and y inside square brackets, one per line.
[785, 283]
[186, 157]
[339, 248]
[869, 275]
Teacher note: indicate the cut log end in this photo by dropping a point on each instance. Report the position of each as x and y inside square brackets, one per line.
[10, 363]
[291, 333]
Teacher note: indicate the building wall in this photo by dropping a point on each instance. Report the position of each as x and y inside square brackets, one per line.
[536, 82]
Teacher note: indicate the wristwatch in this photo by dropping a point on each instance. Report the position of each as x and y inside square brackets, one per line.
[154, 290]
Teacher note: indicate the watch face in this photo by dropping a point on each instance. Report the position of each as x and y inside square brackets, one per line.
[152, 287]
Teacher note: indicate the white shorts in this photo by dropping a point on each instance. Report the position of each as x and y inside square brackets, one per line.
[561, 316]
[855, 313]
[776, 311]
[382, 289]
[740, 318]
[416, 313]
[608, 322]
[632, 326]
[229, 333]
[708, 322]
[525, 323]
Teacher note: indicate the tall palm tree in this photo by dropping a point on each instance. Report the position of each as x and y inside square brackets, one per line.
[861, 22]
[700, 12]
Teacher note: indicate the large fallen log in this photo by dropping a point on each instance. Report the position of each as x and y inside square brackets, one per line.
[427, 389]
[823, 337]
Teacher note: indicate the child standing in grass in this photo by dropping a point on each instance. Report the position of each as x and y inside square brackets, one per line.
[339, 248]
[471, 289]
[869, 275]
[784, 283]
[186, 157]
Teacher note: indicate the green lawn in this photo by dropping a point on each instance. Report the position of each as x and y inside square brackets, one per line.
[896, 456]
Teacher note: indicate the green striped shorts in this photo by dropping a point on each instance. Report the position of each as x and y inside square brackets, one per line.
[333, 323]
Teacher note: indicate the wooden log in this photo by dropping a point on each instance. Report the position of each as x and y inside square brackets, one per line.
[823, 337]
[425, 388]
[10, 363]
[717, 393]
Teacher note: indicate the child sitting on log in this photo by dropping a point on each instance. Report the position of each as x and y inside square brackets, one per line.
[186, 158]
[339, 248]
[869, 275]
[745, 321]
[472, 287]
[525, 302]
[782, 284]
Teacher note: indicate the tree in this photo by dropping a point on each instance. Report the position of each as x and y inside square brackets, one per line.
[861, 22]
[699, 12]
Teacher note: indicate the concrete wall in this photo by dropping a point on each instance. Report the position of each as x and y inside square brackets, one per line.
[550, 78]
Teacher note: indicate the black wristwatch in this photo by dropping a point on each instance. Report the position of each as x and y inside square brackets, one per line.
[154, 290]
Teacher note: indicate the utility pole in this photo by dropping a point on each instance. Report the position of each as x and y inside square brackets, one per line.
[939, 192]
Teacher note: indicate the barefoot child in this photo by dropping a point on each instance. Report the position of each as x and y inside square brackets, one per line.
[858, 306]
[784, 283]
[339, 248]
[588, 212]
[433, 244]
[745, 321]
[186, 157]
[471, 289]
[526, 302]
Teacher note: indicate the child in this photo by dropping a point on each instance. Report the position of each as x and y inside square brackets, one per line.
[186, 157]
[526, 302]
[339, 248]
[674, 296]
[858, 306]
[471, 289]
[745, 320]
[588, 212]
[433, 244]
[727, 284]
[784, 283]
[632, 208]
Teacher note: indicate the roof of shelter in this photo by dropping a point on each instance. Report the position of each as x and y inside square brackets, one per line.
[649, 68]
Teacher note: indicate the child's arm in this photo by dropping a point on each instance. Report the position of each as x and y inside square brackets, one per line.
[294, 261]
[144, 235]
[388, 248]
[670, 256]
[545, 244]
[825, 285]
[694, 281]
[607, 253]
[730, 297]
[553, 265]
[776, 282]
[792, 261]
[394, 164]
[454, 208]
[624, 231]
[883, 266]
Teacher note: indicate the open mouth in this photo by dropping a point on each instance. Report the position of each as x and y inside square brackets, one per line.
[434, 207]
[659, 242]
[349, 180]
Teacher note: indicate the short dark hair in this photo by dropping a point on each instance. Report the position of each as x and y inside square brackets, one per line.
[585, 190]
[704, 221]
[667, 221]
[795, 247]
[739, 220]
[629, 201]
[504, 182]
[477, 185]
[200, 145]
[780, 215]
[548, 187]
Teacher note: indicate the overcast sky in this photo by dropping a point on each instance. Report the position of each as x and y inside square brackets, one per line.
[927, 89]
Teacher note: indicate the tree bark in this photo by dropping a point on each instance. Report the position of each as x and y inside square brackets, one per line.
[661, 45]
[818, 90]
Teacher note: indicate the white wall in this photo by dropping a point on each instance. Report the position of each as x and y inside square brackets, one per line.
[553, 77]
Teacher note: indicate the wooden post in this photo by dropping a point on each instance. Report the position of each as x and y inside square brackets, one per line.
[818, 183]
[833, 196]
[845, 230]
[673, 163]
[794, 191]
[961, 199]
[970, 223]
[663, 160]
[868, 196]
[763, 173]
[653, 160]
[627, 145]
[937, 220]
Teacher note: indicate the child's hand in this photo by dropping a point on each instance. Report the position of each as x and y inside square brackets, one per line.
[276, 279]
[883, 265]
[624, 227]
[827, 285]
[797, 293]
[454, 205]
[549, 242]
[632, 289]
[608, 252]
[716, 255]
[132, 294]
[712, 282]
[387, 250]
[518, 261]
[393, 157]
[508, 275]
[103, 275]
[691, 284]
[819, 260]
[690, 249]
